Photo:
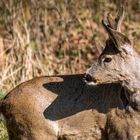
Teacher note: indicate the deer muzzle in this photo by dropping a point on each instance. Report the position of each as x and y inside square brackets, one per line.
[89, 78]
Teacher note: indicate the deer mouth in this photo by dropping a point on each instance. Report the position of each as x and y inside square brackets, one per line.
[90, 80]
[91, 83]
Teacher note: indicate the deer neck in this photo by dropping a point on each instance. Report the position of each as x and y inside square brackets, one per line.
[133, 82]
[133, 93]
[132, 86]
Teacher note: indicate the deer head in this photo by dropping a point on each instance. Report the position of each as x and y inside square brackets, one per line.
[118, 61]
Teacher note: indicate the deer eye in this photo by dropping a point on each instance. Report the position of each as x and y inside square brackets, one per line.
[107, 59]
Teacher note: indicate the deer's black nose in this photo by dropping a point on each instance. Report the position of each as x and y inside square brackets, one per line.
[89, 78]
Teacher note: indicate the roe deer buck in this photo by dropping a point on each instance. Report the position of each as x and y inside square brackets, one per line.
[65, 107]
[118, 63]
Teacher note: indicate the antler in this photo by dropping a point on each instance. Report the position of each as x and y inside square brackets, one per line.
[115, 23]
[119, 18]
[110, 22]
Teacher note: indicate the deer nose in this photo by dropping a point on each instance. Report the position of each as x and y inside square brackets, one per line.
[89, 78]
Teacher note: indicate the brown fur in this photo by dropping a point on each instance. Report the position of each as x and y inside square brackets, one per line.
[63, 107]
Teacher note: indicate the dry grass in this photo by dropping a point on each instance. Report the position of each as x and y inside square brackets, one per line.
[3, 131]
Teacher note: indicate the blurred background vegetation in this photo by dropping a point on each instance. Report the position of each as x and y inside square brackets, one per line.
[47, 37]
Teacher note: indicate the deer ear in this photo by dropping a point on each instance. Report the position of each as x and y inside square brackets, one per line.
[120, 40]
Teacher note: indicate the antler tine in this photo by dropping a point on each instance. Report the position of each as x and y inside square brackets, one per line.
[115, 23]
[119, 18]
[111, 21]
